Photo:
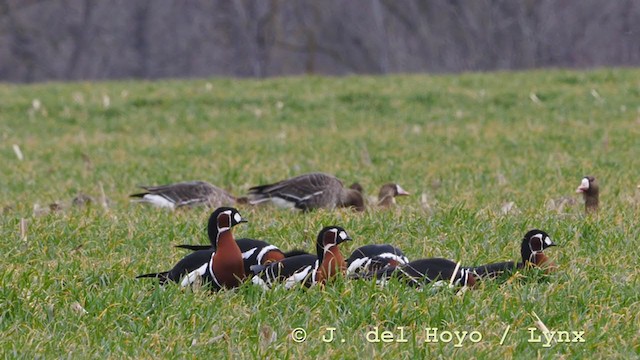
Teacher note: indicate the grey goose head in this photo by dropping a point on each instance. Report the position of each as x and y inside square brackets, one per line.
[388, 193]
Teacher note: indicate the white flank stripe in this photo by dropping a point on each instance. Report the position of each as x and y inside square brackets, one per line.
[400, 259]
[297, 277]
[311, 195]
[247, 254]
[454, 274]
[195, 274]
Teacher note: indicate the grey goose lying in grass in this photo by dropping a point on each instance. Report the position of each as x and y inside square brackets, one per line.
[186, 193]
[307, 192]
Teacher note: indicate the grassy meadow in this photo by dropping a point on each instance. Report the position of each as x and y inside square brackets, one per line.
[465, 146]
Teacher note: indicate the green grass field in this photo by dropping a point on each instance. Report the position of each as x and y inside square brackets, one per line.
[463, 145]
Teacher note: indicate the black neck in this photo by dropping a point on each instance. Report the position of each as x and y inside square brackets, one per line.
[525, 251]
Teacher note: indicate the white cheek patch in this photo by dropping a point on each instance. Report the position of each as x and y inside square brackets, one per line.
[547, 241]
[237, 217]
[343, 235]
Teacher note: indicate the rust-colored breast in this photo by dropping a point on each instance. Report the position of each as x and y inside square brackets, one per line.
[228, 266]
[332, 264]
[541, 260]
[471, 281]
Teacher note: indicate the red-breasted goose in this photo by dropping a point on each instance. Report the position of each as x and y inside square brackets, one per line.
[254, 252]
[418, 273]
[222, 266]
[185, 194]
[308, 192]
[374, 257]
[307, 269]
[532, 254]
[590, 190]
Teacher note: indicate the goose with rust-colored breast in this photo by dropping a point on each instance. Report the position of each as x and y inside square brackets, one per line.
[418, 273]
[532, 254]
[307, 269]
[222, 266]
[254, 252]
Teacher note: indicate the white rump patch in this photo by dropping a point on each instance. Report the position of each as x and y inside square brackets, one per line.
[282, 203]
[157, 200]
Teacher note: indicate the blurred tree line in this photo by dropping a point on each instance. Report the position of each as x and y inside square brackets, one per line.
[90, 39]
